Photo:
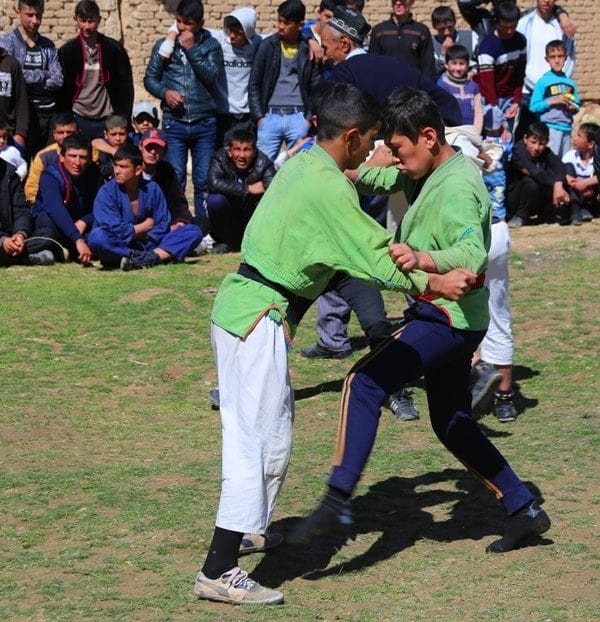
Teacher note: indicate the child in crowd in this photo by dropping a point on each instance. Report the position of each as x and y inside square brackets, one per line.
[11, 154]
[583, 185]
[456, 81]
[238, 176]
[443, 20]
[144, 117]
[115, 136]
[536, 179]
[312, 27]
[555, 99]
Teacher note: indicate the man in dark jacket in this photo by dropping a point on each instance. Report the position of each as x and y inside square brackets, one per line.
[97, 74]
[238, 176]
[281, 82]
[14, 108]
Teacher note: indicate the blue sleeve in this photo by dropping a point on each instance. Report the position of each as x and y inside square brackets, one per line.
[156, 208]
[538, 103]
[109, 215]
[50, 199]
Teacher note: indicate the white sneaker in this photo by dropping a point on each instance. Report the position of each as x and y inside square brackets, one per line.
[235, 587]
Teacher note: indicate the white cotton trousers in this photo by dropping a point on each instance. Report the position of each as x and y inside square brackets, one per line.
[257, 413]
[497, 345]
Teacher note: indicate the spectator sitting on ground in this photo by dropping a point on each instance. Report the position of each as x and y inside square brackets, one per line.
[238, 176]
[132, 224]
[144, 117]
[536, 179]
[64, 124]
[63, 208]
[9, 153]
[581, 181]
[443, 20]
[115, 136]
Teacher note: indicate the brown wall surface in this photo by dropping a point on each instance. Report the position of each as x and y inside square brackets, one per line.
[138, 23]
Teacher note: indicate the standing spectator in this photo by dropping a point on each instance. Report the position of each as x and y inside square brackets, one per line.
[186, 85]
[14, 109]
[97, 74]
[501, 59]
[41, 69]
[403, 37]
[443, 20]
[556, 99]
[281, 82]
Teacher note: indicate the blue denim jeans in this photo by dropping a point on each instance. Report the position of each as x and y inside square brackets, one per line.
[276, 128]
[197, 138]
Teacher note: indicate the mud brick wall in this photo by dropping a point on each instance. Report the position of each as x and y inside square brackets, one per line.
[138, 23]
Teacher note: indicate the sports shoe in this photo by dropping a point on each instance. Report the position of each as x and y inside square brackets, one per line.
[235, 587]
[319, 352]
[259, 543]
[206, 245]
[41, 258]
[331, 516]
[485, 380]
[213, 398]
[138, 260]
[530, 522]
[504, 407]
[221, 248]
[586, 215]
[402, 406]
[516, 222]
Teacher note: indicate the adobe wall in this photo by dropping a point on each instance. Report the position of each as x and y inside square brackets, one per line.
[138, 23]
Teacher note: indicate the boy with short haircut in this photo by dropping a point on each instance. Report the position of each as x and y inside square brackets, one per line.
[456, 81]
[443, 20]
[555, 99]
[98, 81]
[63, 209]
[63, 125]
[38, 58]
[501, 60]
[132, 224]
[580, 178]
[290, 253]
[238, 176]
[282, 79]
[312, 27]
[115, 136]
[144, 117]
[447, 224]
[535, 179]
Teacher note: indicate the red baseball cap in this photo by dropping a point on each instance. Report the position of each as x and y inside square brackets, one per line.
[154, 136]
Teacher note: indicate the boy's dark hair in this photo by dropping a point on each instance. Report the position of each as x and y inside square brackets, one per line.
[292, 10]
[129, 152]
[342, 107]
[538, 129]
[590, 130]
[408, 111]
[115, 121]
[357, 5]
[63, 118]
[330, 5]
[87, 9]
[242, 135]
[555, 44]
[442, 14]
[190, 9]
[75, 141]
[4, 126]
[457, 52]
[508, 11]
[34, 4]
[232, 22]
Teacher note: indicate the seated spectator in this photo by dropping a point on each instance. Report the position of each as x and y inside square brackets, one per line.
[115, 136]
[536, 179]
[143, 118]
[238, 176]
[443, 20]
[63, 208]
[132, 224]
[15, 223]
[456, 81]
[9, 153]
[555, 99]
[64, 125]
[581, 181]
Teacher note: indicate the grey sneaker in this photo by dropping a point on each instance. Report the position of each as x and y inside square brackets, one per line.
[402, 406]
[516, 222]
[504, 407]
[259, 543]
[41, 258]
[138, 260]
[213, 398]
[484, 381]
[235, 587]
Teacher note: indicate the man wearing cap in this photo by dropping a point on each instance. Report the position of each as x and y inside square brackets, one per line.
[143, 117]
[402, 37]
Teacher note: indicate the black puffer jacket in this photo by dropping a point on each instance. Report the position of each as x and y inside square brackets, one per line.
[14, 211]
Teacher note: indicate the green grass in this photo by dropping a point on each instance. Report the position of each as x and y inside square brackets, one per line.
[109, 460]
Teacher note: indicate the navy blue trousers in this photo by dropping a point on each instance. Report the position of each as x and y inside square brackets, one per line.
[425, 346]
